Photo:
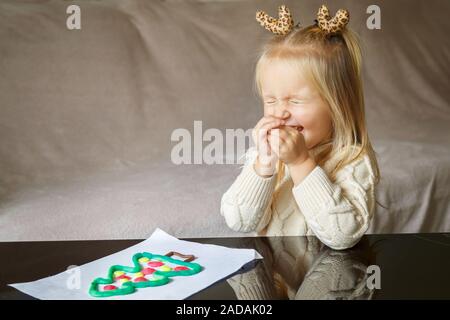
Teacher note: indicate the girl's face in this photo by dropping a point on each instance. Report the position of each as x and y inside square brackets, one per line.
[285, 90]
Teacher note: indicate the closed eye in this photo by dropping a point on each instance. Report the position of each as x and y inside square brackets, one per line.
[295, 101]
[270, 102]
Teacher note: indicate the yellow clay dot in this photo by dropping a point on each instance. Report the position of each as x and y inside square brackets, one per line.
[165, 268]
[138, 274]
[122, 281]
[118, 273]
[144, 259]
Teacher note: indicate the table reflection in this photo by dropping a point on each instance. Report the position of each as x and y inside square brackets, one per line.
[303, 268]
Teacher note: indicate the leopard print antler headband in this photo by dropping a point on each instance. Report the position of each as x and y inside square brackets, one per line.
[285, 24]
[332, 25]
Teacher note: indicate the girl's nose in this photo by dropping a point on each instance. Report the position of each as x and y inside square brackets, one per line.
[279, 112]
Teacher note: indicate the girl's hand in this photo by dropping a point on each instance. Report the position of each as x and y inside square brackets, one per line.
[289, 145]
[266, 160]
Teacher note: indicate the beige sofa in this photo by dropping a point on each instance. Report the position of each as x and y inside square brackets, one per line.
[86, 115]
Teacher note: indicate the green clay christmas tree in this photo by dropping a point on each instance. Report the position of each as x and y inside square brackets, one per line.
[148, 270]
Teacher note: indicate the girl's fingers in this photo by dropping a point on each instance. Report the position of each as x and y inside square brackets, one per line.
[288, 133]
[275, 142]
[270, 117]
[274, 146]
[278, 142]
[263, 141]
[291, 131]
[274, 124]
[263, 130]
[267, 120]
[283, 134]
[261, 123]
[277, 136]
[264, 148]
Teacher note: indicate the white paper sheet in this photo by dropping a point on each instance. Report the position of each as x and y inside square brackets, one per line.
[218, 262]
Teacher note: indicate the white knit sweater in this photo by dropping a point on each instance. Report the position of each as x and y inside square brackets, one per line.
[337, 213]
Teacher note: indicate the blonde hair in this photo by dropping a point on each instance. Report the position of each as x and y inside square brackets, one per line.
[332, 64]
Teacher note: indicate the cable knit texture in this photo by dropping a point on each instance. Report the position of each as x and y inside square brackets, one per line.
[303, 268]
[337, 213]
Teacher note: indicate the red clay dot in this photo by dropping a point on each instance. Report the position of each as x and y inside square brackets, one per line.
[122, 277]
[155, 264]
[109, 287]
[140, 279]
[181, 268]
[148, 271]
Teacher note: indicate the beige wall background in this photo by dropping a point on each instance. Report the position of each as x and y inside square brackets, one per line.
[106, 98]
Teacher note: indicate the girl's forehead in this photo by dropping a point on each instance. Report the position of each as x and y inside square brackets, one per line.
[277, 67]
[280, 78]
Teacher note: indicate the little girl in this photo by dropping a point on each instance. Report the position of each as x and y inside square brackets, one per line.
[313, 170]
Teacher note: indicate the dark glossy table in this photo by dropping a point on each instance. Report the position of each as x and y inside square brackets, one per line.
[404, 266]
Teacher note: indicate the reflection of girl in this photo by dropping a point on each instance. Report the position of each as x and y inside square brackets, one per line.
[302, 268]
[336, 275]
[319, 172]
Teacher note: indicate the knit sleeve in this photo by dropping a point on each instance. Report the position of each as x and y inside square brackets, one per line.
[336, 275]
[246, 204]
[338, 213]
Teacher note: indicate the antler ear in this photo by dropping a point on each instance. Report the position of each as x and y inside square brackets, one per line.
[282, 25]
[335, 24]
